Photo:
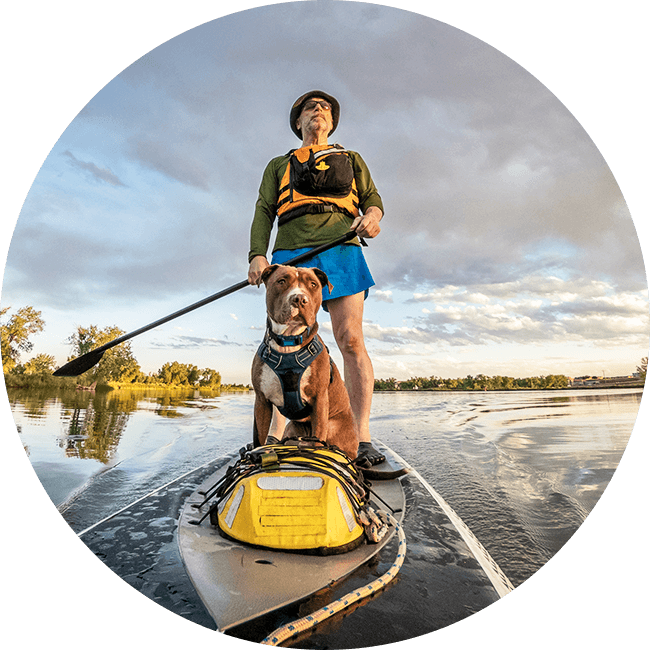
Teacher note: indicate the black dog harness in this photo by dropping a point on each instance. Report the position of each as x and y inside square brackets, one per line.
[289, 368]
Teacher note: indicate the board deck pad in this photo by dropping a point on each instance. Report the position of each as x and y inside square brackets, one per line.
[238, 583]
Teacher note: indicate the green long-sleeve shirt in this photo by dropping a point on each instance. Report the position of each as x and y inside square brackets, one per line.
[310, 229]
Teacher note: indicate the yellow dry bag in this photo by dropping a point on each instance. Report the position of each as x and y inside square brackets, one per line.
[292, 498]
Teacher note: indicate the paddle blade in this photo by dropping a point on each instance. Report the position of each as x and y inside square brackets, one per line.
[79, 365]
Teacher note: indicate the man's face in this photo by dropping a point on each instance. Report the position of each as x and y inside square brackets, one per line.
[316, 115]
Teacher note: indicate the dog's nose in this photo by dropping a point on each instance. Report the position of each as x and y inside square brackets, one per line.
[299, 299]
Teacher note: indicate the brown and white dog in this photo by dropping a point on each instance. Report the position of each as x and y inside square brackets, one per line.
[293, 369]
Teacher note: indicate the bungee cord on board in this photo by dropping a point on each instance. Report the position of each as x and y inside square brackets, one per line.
[307, 622]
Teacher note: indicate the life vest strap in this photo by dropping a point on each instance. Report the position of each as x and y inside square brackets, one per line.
[312, 208]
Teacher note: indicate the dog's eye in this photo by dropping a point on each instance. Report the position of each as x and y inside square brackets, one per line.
[314, 285]
[282, 281]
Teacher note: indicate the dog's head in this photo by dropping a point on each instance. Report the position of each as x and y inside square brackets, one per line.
[294, 295]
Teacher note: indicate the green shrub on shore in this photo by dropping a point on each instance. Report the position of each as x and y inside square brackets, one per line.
[36, 381]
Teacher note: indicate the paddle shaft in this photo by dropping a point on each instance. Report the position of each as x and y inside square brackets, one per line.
[94, 356]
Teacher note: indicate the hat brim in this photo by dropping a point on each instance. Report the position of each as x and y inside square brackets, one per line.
[296, 109]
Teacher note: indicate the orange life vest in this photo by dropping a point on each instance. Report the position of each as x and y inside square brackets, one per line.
[317, 179]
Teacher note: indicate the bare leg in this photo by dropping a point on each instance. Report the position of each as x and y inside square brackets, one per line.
[347, 322]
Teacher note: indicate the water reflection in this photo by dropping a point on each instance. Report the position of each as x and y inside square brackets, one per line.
[547, 406]
[613, 397]
[91, 425]
[94, 431]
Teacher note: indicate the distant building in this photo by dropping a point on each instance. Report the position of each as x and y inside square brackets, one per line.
[591, 380]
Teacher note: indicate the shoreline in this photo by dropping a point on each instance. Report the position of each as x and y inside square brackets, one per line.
[46, 382]
[506, 390]
[36, 382]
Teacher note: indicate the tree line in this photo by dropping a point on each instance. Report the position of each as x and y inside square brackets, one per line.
[479, 382]
[117, 364]
[482, 382]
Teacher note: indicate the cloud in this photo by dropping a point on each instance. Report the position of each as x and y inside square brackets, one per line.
[383, 296]
[57, 268]
[192, 342]
[532, 311]
[182, 165]
[95, 172]
[64, 255]
[396, 335]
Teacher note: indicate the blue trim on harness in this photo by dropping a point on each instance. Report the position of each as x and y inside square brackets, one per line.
[286, 341]
[289, 368]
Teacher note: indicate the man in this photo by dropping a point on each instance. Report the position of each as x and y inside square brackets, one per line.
[318, 193]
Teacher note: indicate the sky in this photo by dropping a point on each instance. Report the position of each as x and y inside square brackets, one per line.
[507, 247]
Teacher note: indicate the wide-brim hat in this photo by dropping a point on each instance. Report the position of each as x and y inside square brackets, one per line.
[297, 108]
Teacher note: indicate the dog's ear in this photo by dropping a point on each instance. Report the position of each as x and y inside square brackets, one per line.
[324, 280]
[268, 272]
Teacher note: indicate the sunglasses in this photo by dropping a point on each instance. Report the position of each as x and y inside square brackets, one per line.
[311, 105]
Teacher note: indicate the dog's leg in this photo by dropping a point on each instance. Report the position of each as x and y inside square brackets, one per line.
[256, 438]
[297, 429]
[342, 433]
[320, 416]
[278, 425]
[263, 412]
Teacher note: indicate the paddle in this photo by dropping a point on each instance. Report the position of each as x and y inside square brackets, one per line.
[86, 361]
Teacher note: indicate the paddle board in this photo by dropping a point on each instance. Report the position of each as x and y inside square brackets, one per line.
[446, 575]
[238, 583]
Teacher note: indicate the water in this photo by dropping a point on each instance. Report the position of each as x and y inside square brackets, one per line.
[522, 469]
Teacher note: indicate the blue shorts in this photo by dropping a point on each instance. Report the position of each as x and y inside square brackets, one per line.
[344, 265]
